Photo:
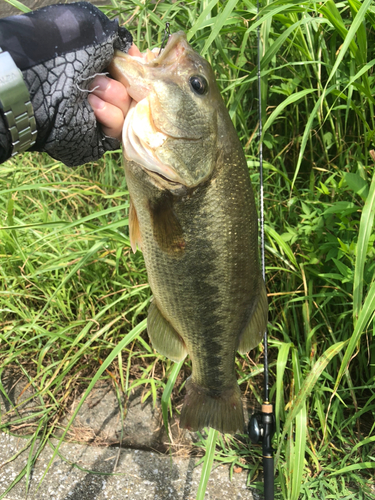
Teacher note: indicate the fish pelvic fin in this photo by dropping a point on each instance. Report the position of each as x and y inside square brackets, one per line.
[164, 337]
[221, 410]
[134, 230]
[254, 331]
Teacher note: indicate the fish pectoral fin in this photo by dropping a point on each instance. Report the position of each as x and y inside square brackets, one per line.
[163, 336]
[134, 230]
[254, 331]
[166, 227]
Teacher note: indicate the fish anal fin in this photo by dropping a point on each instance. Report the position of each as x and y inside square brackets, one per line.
[164, 337]
[203, 407]
[254, 330]
[134, 230]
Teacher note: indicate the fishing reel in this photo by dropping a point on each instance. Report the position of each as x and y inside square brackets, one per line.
[261, 427]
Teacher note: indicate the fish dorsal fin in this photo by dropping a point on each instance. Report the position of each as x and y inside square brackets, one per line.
[163, 336]
[166, 227]
[134, 231]
[254, 331]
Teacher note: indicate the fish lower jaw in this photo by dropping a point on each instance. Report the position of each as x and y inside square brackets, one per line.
[164, 182]
[141, 139]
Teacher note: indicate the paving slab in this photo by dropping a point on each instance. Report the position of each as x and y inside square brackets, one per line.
[128, 446]
[98, 421]
[140, 475]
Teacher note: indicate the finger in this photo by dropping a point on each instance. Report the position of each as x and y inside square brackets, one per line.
[112, 92]
[110, 116]
[134, 51]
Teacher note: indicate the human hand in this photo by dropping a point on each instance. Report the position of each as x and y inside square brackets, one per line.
[60, 49]
[110, 102]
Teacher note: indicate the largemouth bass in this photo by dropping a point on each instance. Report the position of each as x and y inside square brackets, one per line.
[192, 212]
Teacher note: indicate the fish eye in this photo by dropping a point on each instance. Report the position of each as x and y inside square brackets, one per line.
[198, 84]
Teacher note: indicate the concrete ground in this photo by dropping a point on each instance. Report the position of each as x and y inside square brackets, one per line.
[85, 471]
[142, 475]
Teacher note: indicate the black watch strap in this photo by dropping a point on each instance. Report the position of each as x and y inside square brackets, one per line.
[16, 105]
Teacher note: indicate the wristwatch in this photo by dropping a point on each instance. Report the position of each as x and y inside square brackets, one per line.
[15, 103]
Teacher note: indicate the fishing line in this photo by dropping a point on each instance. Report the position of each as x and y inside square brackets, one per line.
[91, 77]
[167, 34]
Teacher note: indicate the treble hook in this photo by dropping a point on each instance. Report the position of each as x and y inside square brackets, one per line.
[166, 32]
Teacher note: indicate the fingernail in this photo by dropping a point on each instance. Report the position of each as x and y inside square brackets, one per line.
[95, 102]
[100, 82]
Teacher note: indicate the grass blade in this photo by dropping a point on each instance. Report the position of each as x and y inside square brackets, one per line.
[165, 399]
[198, 24]
[307, 131]
[297, 464]
[364, 316]
[207, 463]
[307, 387]
[361, 466]
[289, 100]
[350, 36]
[365, 231]
[97, 246]
[19, 5]
[282, 359]
[219, 23]
[132, 335]
[283, 245]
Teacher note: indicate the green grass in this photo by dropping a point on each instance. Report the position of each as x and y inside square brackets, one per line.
[72, 293]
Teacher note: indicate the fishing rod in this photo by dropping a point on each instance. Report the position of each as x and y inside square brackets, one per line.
[262, 425]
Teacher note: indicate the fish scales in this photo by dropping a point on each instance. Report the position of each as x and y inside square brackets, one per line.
[200, 245]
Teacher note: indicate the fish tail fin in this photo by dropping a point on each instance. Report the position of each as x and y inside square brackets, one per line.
[221, 410]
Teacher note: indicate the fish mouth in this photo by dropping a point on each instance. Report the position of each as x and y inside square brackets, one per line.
[141, 137]
[164, 182]
[174, 49]
[131, 70]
